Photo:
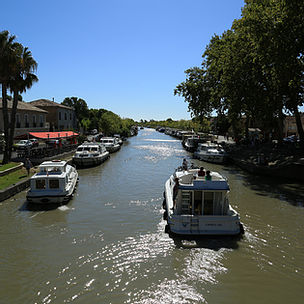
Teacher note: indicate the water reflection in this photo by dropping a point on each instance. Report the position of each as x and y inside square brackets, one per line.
[212, 243]
[279, 188]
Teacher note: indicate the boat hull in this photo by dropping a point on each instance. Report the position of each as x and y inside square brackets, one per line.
[204, 225]
[113, 149]
[90, 161]
[217, 159]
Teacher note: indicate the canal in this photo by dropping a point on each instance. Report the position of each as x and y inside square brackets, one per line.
[108, 245]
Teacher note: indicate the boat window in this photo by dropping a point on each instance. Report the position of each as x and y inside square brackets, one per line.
[94, 149]
[198, 202]
[218, 204]
[86, 149]
[54, 183]
[79, 149]
[208, 203]
[40, 184]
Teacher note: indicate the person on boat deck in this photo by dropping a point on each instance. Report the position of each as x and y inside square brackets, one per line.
[208, 176]
[201, 172]
[185, 164]
[175, 191]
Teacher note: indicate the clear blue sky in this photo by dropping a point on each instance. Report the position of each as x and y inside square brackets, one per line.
[126, 56]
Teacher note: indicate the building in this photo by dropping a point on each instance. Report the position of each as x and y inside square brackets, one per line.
[59, 117]
[28, 118]
[290, 125]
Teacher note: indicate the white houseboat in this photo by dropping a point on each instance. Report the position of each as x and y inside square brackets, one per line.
[210, 152]
[54, 183]
[110, 143]
[90, 154]
[198, 207]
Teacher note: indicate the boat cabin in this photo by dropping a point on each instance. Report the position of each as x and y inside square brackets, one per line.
[197, 196]
[52, 175]
[87, 149]
[108, 140]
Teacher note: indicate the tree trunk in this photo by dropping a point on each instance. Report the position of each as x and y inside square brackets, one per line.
[5, 124]
[280, 126]
[12, 123]
[246, 128]
[299, 126]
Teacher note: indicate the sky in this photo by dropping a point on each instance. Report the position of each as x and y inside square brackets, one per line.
[126, 56]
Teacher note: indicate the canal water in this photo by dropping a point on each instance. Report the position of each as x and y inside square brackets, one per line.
[108, 245]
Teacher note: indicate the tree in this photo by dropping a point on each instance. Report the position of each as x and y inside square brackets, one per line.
[16, 73]
[80, 106]
[6, 62]
[23, 79]
[254, 70]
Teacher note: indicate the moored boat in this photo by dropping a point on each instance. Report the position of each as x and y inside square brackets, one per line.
[54, 183]
[210, 152]
[198, 207]
[90, 154]
[110, 143]
[118, 139]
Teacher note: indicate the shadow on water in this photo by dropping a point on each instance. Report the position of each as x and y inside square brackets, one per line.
[214, 243]
[39, 207]
[283, 189]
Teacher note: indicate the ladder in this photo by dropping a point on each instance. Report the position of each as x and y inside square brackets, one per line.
[186, 200]
[194, 224]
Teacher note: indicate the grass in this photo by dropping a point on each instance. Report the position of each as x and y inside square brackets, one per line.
[8, 166]
[13, 178]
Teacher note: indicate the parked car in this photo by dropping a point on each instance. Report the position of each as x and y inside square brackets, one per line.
[35, 142]
[52, 143]
[291, 139]
[23, 144]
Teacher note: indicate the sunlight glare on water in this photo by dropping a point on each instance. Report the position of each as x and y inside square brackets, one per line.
[108, 245]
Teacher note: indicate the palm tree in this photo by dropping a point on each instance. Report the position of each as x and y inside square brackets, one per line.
[6, 63]
[16, 73]
[23, 79]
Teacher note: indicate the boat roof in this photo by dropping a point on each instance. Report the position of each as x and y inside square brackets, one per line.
[53, 163]
[90, 144]
[188, 180]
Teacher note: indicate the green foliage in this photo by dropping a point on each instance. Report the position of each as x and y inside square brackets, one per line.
[17, 67]
[81, 109]
[253, 70]
[196, 124]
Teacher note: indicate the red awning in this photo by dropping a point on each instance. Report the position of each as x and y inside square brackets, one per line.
[48, 135]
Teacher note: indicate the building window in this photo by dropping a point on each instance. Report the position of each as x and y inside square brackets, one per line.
[41, 121]
[18, 124]
[59, 113]
[70, 116]
[34, 121]
[26, 121]
[65, 116]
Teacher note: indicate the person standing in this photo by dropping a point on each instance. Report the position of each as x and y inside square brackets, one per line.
[28, 165]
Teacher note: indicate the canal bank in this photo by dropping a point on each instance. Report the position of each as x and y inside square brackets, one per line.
[283, 163]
